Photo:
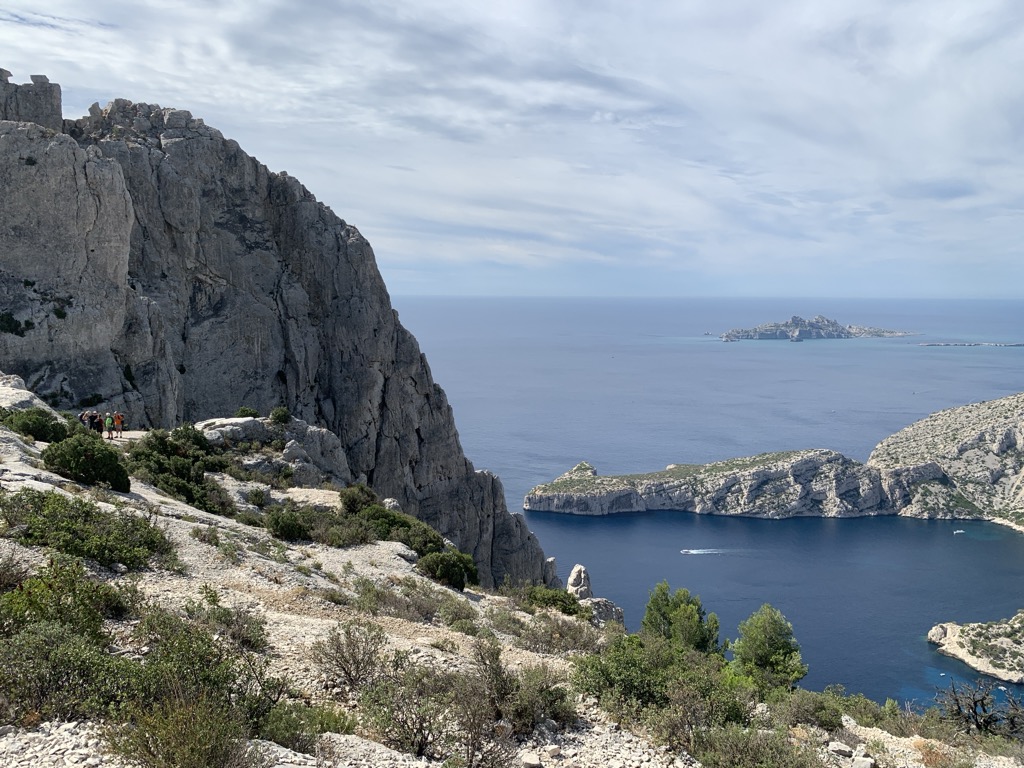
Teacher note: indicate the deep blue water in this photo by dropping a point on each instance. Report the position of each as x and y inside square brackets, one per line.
[632, 385]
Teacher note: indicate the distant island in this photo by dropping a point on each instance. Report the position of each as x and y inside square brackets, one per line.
[819, 327]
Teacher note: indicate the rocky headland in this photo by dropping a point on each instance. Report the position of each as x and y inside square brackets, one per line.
[798, 329]
[958, 463]
[994, 648]
[150, 265]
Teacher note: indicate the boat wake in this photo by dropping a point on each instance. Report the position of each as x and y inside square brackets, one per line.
[703, 551]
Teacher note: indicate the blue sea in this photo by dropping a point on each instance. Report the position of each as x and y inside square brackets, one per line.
[632, 385]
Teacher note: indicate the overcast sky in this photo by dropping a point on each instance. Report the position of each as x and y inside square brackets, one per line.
[588, 147]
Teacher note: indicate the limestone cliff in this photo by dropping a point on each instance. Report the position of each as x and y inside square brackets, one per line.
[150, 264]
[962, 462]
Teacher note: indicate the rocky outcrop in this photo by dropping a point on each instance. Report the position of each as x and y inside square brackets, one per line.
[151, 265]
[35, 102]
[815, 483]
[980, 451]
[994, 648]
[579, 583]
[962, 462]
[602, 609]
[798, 329]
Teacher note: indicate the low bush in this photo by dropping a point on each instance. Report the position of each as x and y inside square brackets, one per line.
[79, 527]
[62, 592]
[554, 633]
[49, 671]
[246, 412]
[86, 459]
[184, 732]
[350, 524]
[353, 653]
[407, 598]
[410, 710]
[37, 423]
[451, 568]
[298, 726]
[239, 625]
[738, 747]
[280, 415]
[800, 706]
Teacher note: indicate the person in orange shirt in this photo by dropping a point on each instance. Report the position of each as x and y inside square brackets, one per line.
[118, 422]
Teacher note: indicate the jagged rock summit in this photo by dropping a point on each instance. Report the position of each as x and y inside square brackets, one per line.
[151, 265]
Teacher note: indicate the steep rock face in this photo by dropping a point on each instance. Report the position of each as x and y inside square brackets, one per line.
[36, 102]
[980, 450]
[814, 483]
[151, 264]
[961, 462]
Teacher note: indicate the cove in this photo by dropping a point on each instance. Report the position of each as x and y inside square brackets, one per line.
[861, 593]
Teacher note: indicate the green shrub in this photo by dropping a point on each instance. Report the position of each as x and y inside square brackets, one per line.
[737, 747]
[453, 609]
[239, 625]
[37, 423]
[183, 732]
[257, 497]
[354, 498]
[246, 412]
[286, 523]
[49, 671]
[85, 458]
[280, 415]
[207, 535]
[62, 592]
[800, 706]
[82, 528]
[411, 710]
[450, 568]
[352, 653]
[626, 676]
[555, 633]
[298, 726]
[559, 599]
[177, 463]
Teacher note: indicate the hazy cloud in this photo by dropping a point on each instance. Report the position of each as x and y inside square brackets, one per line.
[521, 146]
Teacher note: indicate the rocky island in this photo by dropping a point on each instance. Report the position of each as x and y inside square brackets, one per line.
[818, 327]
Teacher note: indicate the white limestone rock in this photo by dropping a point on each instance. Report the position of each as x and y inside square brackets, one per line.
[579, 583]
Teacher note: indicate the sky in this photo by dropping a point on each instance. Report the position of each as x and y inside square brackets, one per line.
[587, 147]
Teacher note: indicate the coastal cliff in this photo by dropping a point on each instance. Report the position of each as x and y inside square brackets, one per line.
[150, 265]
[961, 462]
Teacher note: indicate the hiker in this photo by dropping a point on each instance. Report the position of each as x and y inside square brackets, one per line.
[83, 419]
[94, 422]
[118, 423]
[108, 425]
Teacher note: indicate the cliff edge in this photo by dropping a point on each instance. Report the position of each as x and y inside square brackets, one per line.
[961, 462]
[151, 265]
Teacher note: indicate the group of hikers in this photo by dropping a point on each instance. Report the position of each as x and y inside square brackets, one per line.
[110, 423]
